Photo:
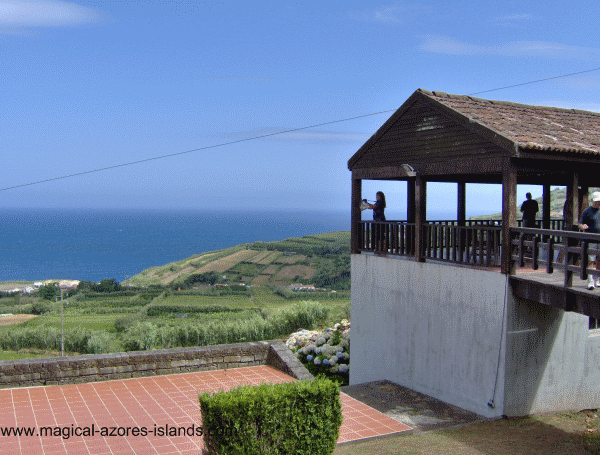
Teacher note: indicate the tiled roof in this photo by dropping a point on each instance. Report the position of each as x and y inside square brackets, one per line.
[530, 127]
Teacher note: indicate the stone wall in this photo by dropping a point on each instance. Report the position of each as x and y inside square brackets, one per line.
[122, 365]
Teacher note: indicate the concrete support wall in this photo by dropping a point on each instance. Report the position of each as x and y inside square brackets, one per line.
[553, 360]
[459, 335]
[434, 328]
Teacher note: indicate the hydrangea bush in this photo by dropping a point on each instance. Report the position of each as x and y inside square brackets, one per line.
[324, 352]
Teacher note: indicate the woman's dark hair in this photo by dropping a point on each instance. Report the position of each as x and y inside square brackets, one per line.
[380, 193]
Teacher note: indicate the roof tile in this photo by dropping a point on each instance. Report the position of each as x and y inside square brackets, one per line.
[531, 127]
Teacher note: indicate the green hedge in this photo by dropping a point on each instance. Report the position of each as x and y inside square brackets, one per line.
[160, 309]
[47, 337]
[291, 418]
[147, 335]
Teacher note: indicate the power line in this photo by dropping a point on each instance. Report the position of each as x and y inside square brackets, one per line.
[269, 135]
[193, 150]
[533, 82]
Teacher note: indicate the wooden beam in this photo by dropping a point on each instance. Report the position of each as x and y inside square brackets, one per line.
[567, 299]
[383, 173]
[355, 230]
[509, 216]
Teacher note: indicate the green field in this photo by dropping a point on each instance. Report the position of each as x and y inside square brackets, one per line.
[113, 323]
[321, 259]
[179, 304]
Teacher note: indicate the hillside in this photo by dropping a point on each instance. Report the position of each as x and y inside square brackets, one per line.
[557, 201]
[322, 260]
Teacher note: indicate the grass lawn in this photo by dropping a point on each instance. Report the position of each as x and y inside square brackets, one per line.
[74, 320]
[30, 354]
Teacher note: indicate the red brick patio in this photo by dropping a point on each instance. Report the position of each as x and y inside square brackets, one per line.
[150, 402]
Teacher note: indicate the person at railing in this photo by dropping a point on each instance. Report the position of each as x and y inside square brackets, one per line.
[529, 208]
[590, 222]
[568, 216]
[379, 215]
[379, 207]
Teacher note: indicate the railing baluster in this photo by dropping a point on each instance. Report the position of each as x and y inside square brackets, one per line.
[535, 251]
[550, 264]
[584, 260]
[447, 240]
[521, 251]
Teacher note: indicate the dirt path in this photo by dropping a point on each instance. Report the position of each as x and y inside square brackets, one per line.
[556, 434]
[15, 319]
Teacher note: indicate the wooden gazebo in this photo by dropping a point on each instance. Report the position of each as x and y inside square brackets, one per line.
[437, 137]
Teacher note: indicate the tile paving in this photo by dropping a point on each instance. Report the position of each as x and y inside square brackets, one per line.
[155, 404]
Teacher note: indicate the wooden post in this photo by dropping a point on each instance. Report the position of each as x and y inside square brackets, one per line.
[545, 210]
[355, 227]
[410, 215]
[410, 200]
[461, 216]
[461, 212]
[509, 216]
[546, 207]
[420, 211]
[571, 219]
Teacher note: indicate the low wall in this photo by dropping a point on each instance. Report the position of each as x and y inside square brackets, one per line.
[123, 365]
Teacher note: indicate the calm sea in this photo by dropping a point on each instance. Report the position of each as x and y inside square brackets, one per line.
[96, 244]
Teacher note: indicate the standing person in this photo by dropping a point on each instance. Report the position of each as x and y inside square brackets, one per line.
[529, 208]
[378, 207]
[379, 215]
[567, 207]
[590, 223]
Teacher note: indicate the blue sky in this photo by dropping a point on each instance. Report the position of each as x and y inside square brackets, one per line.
[92, 84]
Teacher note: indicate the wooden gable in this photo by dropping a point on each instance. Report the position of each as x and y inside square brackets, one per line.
[460, 138]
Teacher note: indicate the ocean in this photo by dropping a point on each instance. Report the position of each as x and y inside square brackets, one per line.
[92, 245]
[96, 244]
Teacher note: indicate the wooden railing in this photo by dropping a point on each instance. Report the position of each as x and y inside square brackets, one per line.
[555, 224]
[480, 245]
[540, 248]
[389, 237]
[477, 244]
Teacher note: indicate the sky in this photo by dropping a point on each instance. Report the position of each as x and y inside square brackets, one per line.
[90, 85]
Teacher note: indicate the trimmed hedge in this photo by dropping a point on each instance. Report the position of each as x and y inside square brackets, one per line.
[301, 417]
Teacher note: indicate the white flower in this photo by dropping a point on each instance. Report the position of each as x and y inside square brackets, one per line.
[343, 368]
[333, 360]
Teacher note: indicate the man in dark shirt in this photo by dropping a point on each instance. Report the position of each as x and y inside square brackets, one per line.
[590, 223]
[529, 208]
